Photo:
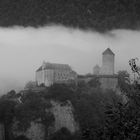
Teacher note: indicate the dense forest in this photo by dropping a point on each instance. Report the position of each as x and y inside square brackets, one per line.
[99, 15]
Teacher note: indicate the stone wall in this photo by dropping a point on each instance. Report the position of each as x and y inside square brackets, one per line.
[39, 77]
[106, 81]
[109, 83]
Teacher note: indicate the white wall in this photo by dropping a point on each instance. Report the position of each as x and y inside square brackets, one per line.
[39, 77]
[51, 76]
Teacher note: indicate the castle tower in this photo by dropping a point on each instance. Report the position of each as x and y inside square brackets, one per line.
[108, 58]
[96, 70]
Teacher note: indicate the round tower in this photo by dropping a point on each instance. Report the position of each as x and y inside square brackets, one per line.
[108, 58]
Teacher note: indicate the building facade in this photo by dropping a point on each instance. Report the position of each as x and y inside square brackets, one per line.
[50, 73]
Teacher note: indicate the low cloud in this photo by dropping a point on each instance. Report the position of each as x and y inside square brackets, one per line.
[22, 50]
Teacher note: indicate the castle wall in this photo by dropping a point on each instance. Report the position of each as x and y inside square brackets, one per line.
[51, 76]
[61, 75]
[108, 83]
[45, 77]
[39, 77]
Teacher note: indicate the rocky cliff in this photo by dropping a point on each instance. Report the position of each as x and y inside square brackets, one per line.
[63, 118]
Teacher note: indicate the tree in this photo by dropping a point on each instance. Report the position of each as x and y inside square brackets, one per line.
[32, 108]
[134, 67]
[30, 85]
[7, 114]
[94, 82]
[123, 80]
[136, 70]
[11, 94]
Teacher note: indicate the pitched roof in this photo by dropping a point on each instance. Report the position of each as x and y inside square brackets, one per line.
[108, 51]
[54, 66]
[39, 69]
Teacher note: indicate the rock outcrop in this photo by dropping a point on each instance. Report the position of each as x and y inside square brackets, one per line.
[63, 114]
[64, 118]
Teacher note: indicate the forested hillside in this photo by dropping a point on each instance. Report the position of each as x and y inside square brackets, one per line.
[100, 15]
[24, 111]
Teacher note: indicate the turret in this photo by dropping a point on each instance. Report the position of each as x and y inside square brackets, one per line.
[96, 70]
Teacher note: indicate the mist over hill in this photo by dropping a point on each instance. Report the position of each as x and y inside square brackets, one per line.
[8, 84]
[99, 15]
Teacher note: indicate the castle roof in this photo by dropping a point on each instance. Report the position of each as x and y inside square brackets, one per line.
[108, 51]
[39, 69]
[54, 66]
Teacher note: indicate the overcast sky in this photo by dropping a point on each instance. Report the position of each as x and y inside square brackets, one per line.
[22, 50]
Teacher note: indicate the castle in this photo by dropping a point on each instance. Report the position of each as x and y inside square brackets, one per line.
[50, 73]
